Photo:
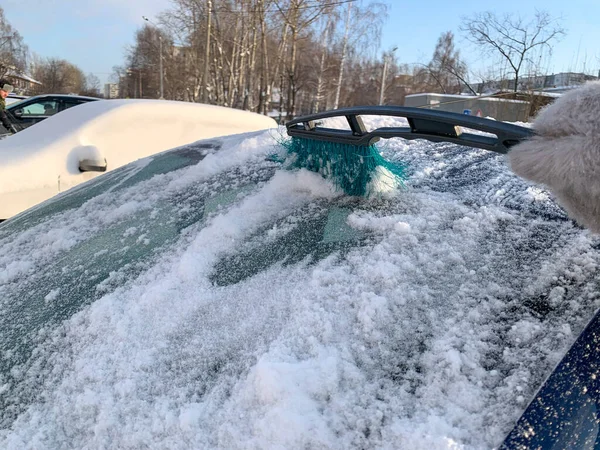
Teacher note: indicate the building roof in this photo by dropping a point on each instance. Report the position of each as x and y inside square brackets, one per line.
[21, 76]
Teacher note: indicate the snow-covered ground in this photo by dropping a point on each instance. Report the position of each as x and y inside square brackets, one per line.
[433, 330]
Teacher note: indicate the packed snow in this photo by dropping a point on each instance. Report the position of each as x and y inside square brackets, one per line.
[467, 287]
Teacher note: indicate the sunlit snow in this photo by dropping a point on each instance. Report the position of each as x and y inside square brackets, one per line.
[466, 289]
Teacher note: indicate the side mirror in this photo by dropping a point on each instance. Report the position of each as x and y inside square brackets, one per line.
[18, 113]
[92, 165]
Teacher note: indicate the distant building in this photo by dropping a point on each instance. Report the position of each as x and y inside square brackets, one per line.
[506, 106]
[111, 90]
[498, 108]
[24, 84]
[559, 82]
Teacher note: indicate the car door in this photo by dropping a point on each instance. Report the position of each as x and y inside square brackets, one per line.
[33, 111]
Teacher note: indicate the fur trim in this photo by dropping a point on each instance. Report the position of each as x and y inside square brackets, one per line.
[565, 155]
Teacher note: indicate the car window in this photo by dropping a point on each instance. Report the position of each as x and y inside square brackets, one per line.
[439, 300]
[41, 108]
[70, 103]
[314, 232]
[111, 254]
[12, 100]
[106, 256]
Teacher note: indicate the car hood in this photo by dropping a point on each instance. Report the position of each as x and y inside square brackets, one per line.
[206, 297]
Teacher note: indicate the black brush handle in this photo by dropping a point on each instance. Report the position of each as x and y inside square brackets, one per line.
[436, 126]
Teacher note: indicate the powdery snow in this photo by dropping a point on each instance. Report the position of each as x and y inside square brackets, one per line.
[434, 333]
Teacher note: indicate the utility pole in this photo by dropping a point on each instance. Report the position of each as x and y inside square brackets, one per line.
[386, 60]
[207, 56]
[162, 97]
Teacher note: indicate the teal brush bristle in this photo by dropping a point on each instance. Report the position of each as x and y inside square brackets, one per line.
[351, 168]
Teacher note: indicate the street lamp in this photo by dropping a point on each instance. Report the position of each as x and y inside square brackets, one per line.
[130, 71]
[160, 59]
[386, 60]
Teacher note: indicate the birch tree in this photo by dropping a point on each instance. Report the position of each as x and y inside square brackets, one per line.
[252, 49]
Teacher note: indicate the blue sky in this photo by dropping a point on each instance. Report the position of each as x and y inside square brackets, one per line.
[415, 30]
[94, 34]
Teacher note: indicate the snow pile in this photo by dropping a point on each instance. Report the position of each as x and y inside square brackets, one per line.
[430, 325]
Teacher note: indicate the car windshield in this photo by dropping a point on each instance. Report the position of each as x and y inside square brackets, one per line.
[207, 297]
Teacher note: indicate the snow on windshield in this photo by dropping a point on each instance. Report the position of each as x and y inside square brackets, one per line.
[434, 334]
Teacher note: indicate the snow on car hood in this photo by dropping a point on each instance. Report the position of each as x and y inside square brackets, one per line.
[434, 332]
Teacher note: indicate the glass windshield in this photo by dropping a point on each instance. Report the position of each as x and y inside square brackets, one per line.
[172, 294]
[100, 260]
[107, 255]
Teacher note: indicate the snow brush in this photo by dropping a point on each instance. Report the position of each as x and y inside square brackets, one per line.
[350, 159]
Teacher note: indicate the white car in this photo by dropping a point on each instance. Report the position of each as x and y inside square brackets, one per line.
[14, 99]
[80, 143]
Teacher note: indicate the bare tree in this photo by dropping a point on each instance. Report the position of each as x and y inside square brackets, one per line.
[91, 86]
[186, 22]
[263, 55]
[13, 51]
[343, 58]
[299, 15]
[446, 70]
[141, 74]
[320, 87]
[362, 32]
[58, 76]
[511, 37]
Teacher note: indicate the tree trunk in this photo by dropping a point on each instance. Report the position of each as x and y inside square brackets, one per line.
[249, 94]
[265, 87]
[343, 59]
[291, 100]
[278, 68]
[320, 83]
[207, 54]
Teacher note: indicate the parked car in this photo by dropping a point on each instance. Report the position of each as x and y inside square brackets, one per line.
[29, 111]
[79, 144]
[205, 297]
[14, 98]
